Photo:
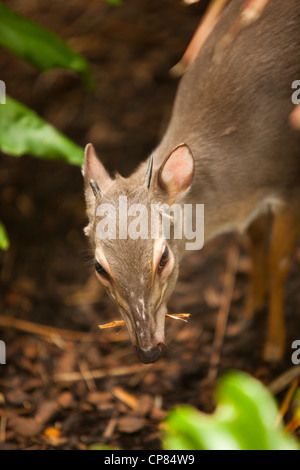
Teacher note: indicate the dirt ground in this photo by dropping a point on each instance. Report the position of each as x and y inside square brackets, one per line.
[59, 390]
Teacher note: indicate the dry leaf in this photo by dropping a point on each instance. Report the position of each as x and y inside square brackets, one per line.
[27, 427]
[46, 410]
[65, 399]
[130, 424]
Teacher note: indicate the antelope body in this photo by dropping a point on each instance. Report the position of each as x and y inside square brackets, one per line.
[230, 146]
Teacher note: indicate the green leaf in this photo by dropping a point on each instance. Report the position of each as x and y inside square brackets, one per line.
[4, 241]
[244, 420]
[37, 45]
[22, 131]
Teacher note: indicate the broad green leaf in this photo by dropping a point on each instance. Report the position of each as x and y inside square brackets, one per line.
[4, 241]
[188, 429]
[244, 420]
[22, 131]
[247, 401]
[37, 45]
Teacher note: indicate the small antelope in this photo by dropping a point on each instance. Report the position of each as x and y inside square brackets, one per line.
[230, 146]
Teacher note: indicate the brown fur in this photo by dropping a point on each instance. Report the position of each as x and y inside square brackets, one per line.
[234, 116]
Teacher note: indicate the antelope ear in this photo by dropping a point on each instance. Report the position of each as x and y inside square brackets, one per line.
[92, 168]
[175, 175]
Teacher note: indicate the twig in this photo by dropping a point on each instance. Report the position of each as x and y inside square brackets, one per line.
[100, 373]
[283, 381]
[111, 426]
[287, 400]
[44, 330]
[178, 316]
[85, 374]
[174, 316]
[229, 281]
[130, 400]
[292, 425]
[112, 324]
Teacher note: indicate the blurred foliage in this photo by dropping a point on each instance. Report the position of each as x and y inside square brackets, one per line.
[22, 131]
[244, 420]
[35, 136]
[44, 50]
[37, 45]
[4, 242]
[294, 422]
[101, 447]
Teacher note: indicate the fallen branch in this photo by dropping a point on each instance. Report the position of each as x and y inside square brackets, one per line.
[287, 401]
[130, 400]
[284, 380]
[100, 373]
[44, 330]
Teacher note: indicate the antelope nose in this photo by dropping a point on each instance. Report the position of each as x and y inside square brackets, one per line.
[151, 354]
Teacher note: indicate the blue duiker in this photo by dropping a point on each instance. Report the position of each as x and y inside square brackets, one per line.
[230, 146]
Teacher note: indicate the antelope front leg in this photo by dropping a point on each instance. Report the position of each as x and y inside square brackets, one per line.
[283, 239]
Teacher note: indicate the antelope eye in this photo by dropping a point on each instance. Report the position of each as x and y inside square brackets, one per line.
[100, 270]
[164, 259]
